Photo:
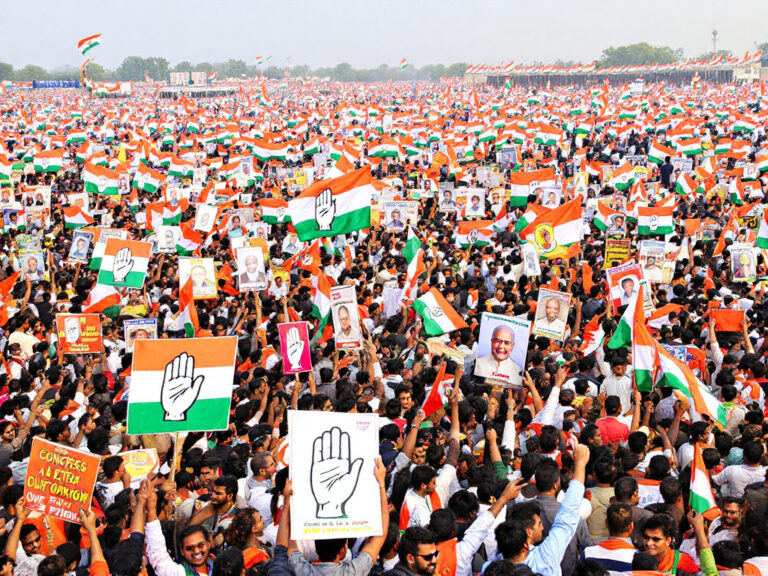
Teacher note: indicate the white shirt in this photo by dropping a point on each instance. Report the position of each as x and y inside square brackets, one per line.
[733, 479]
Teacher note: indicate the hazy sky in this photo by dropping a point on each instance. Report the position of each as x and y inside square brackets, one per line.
[367, 33]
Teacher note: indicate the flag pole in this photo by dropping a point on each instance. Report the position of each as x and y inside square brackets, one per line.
[175, 461]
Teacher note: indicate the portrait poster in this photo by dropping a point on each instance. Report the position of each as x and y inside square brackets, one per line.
[167, 238]
[475, 203]
[203, 276]
[743, 262]
[205, 217]
[138, 329]
[33, 265]
[531, 265]
[60, 480]
[395, 214]
[623, 282]
[502, 348]
[251, 272]
[81, 243]
[652, 257]
[447, 201]
[79, 333]
[333, 455]
[176, 385]
[294, 347]
[346, 318]
[549, 196]
[551, 318]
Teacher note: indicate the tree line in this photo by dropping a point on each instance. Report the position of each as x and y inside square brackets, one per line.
[134, 67]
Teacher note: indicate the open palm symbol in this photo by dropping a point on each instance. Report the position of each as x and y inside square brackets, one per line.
[333, 475]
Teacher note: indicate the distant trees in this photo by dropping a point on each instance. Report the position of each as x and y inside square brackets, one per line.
[134, 67]
[641, 53]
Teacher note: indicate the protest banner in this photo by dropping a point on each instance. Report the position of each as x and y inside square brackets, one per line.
[616, 252]
[79, 333]
[60, 480]
[346, 318]
[333, 455]
[294, 347]
[176, 385]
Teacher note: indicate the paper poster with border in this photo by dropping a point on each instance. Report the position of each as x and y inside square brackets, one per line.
[332, 456]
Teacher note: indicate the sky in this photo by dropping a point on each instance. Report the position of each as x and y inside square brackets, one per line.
[367, 33]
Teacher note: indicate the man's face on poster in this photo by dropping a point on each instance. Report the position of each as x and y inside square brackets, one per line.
[502, 343]
[72, 329]
[344, 319]
[628, 285]
[198, 275]
[552, 309]
[251, 264]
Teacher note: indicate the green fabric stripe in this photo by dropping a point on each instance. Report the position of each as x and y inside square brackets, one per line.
[342, 224]
[132, 280]
[73, 225]
[646, 230]
[699, 503]
[147, 417]
[622, 337]
[643, 380]
[430, 326]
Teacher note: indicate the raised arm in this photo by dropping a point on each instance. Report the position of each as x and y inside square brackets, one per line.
[374, 543]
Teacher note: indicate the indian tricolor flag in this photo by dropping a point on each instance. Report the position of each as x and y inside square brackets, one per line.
[274, 210]
[321, 299]
[623, 335]
[76, 137]
[689, 146]
[522, 184]
[658, 220]
[100, 180]
[438, 315]
[388, 148]
[176, 385]
[187, 309]
[146, 179]
[49, 161]
[403, 64]
[556, 232]
[189, 241]
[603, 216]
[676, 374]
[548, 135]
[762, 234]
[101, 299]
[685, 186]
[623, 176]
[333, 207]
[475, 233]
[266, 151]
[74, 217]
[180, 168]
[414, 255]
[124, 263]
[701, 498]
[88, 43]
[659, 152]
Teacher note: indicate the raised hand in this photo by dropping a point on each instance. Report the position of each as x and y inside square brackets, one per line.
[333, 475]
[180, 387]
[122, 265]
[295, 348]
[325, 209]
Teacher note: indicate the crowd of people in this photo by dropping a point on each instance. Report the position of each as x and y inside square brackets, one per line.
[583, 469]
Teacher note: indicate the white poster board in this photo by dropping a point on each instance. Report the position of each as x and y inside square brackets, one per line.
[335, 494]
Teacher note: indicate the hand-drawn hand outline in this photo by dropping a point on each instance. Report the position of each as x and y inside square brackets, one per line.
[122, 264]
[325, 209]
[333, 476]
[294, 348]
[180, 387]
